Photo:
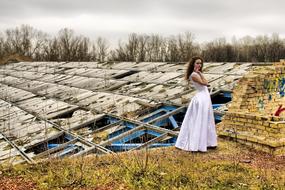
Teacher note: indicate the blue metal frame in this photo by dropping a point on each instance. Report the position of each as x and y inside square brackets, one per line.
[125, 143]
[218, 118]
[215, 106]
[71, 148]
[226, 95]
[128, 126]
[125, 147]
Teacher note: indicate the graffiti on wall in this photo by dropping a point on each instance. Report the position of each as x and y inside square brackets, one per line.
[260, 104]
[276, 85]
[279, 110]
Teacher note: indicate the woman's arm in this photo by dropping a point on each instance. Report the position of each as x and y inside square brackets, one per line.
[199, 78]
[202, 77]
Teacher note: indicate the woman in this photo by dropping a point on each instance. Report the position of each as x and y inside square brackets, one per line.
[198, 130]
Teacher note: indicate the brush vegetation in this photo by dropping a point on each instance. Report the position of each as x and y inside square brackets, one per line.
[230, 166]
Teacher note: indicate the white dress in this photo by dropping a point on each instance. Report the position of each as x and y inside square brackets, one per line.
[198, 129]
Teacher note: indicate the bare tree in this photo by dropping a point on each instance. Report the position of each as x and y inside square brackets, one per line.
[52, 50]
[276, 48]
[2, 44]
[66, 46]
[25, 41]
[132, 47]
[154, 47]
[102, 48]
[72, 47]
[142, 41]
[186, 45]
[93, 53]
[173, 53]
[65, 36]
[261, 46]
[121, 53]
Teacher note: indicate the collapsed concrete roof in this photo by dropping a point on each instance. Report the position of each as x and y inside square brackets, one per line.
[43, 103]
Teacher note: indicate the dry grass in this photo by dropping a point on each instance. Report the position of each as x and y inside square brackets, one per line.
[231, 166]
[14, 58]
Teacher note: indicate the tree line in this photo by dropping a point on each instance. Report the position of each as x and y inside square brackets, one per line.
[68, 46]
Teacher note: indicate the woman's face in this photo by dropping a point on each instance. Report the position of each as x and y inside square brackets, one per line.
[197, 65]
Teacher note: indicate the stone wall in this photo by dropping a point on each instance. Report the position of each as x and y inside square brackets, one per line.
[250, 118]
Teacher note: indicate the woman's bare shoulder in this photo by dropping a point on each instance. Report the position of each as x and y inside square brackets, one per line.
[194, 74]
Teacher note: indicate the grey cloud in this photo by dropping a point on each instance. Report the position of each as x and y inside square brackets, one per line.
[68, 7]
[175, 8]
[205, 18]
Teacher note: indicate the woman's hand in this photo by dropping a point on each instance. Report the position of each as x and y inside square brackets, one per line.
[199, 72]
[196, 69]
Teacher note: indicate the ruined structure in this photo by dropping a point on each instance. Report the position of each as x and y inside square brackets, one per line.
[255, 116]
[57, 109]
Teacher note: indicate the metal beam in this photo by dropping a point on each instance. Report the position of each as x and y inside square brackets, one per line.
[154, 140]
[103, 149]
[104, 128]
[144, 126]
[151, 127]
[22, 153]
[128, 147]
[107, 142]
[49, 151]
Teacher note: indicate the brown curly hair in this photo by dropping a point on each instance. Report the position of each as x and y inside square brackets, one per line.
[190, 67]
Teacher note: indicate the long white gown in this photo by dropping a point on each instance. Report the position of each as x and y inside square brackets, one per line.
[198, 129]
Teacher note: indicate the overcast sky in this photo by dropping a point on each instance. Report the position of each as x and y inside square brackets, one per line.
[115, 19]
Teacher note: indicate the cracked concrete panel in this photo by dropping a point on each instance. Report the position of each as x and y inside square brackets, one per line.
[54, 78]
[14, 94]
[226, 82]
[81, 64]
[9, 155]
[207, 67]
[11, 80]
[155, 78]
[121, 65]
[49, 70]
[171, 67]
[135, 88]
[27, 74]
[79, 119]
[240, 69]
[44, 64]
[147, 66]
[75, 71]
